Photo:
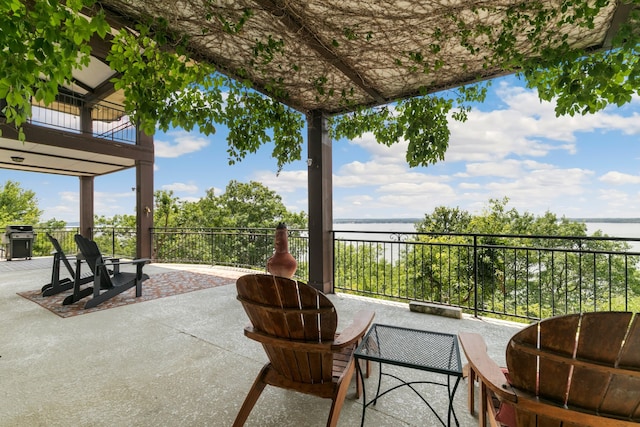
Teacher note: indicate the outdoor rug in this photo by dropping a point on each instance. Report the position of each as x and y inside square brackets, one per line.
[159, 285]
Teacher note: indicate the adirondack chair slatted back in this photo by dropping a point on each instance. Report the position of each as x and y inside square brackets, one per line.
[93, 257]
[60, 253]
[590, 362]
[291, 312]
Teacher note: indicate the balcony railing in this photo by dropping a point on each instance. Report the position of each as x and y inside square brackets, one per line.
[511, 276]
[515, 276]
[238, 247]
[108, 120]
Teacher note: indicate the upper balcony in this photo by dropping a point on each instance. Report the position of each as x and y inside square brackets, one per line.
[76, 136]
[108, 120]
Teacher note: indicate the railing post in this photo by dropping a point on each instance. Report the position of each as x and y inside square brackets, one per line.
[113, 241]
[213, 247]
[475, 276]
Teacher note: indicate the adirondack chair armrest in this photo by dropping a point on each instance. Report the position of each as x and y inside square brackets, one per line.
[304, 346]
[485, 368]
[115, 263]
[355, 331]
[139, 262]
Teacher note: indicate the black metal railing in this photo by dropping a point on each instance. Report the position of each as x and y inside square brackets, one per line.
[109, 121]
[515, 276]
[511, 276]
[237, 247]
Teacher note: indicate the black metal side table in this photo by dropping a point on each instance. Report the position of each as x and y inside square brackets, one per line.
[411, 348]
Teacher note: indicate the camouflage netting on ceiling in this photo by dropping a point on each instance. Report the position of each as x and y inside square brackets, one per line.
[333, 54]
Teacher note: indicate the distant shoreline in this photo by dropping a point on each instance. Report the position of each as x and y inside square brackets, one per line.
[376, 220]
[611, 220]
[414, 220]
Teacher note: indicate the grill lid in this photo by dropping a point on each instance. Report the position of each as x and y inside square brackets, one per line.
[19, 228]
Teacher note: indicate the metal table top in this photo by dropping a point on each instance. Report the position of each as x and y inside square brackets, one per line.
[412, 348]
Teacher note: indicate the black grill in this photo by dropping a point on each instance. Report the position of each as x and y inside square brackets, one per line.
[18, 241]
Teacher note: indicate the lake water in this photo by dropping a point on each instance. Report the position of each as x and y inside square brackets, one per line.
[613, 229]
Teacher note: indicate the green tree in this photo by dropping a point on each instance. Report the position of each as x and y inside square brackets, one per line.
[254, 205]
[444, 220]
[237, 223]
[116, 236]
[167, 207]
[18, 206]
[42, 245]
[518, 264]
[251, 207]
[52, 224]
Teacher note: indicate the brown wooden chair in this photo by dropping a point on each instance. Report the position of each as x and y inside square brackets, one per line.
[573, 370]
[296, 324]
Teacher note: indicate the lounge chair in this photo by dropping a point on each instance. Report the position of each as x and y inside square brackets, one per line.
[573, 370]
[296, 325]
[58, 284]
[105, 285]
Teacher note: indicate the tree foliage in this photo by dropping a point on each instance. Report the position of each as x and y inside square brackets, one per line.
[235, 227]
[45, 40]
[18, 206]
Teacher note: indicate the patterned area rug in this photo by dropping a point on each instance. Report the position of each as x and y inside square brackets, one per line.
[157, 286]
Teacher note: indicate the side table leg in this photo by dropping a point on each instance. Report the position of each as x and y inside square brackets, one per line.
[360, 380]
[452, 394]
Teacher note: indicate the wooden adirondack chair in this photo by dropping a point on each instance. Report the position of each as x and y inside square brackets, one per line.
[57, 284]
[569, 371]
[296, 324]
[105, 284]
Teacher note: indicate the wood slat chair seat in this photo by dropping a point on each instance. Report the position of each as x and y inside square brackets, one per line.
[566, 371]
[296, 325]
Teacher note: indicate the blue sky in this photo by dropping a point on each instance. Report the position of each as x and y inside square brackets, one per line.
[511, 146]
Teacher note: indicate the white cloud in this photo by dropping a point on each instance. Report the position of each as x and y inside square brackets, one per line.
[67, 210]
[617, 203]
[394, 154]
[469, 186]
[180, 187]
[285, 182]
[539, 190]
[106, 204]
[181, 143]
[375, 172]
[527, 127]
[509, 168]
[618, 178]
[110, 204]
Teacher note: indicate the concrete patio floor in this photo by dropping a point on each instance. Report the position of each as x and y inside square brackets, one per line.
[182, 361]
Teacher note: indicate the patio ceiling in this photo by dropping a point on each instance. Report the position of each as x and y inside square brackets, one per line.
[361, 48]
[66, 152]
